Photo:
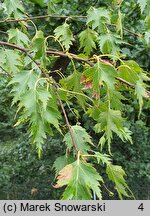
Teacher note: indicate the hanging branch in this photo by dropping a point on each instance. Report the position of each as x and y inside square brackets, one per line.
[66, 119]
[49, 52]
[55, 86]
[69, 55]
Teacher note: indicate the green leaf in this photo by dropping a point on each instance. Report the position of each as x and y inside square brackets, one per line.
[33, 102]
[31, 106]
[81, 137]
[104, 158]
[142, 4]
[147, 21]
[38, 115]
[51, 7]
[36, 104]
[18, 37]
[116, 99]
[39, 2]
[111, 121]
[109, 44]
[51, 115]
[83, 179]
[97, 17]
[38, 45]
[61, 162]
[130, 71]
[22, 81]
[72, 82]
[64, 35]
[140, 93]
[119, 23]
[117, 2]
[147, 37]
[14, 8]
[11, 60]
[116, 174]
[95, 111]
[87, 40]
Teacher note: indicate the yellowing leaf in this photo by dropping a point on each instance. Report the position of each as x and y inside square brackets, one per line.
[64, 176]
[61, 162]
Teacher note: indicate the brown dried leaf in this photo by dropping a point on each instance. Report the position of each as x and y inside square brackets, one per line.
[96, 95]
[64, 176]
[109, 62]
[82, 79]
[88, 85]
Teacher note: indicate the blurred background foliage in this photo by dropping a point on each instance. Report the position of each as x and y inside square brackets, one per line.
[22, 174]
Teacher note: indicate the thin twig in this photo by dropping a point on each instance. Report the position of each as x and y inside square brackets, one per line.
[13, 46]
[125, 82]
[68, 55]
[127, 30]
[131, 32]
[6, 72]
[49, 52]
[66, 120]
[41, 17]
[2, 32]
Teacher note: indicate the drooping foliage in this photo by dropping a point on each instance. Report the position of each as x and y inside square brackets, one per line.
[57, 67]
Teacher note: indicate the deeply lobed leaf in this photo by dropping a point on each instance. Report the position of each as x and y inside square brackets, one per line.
[97, 17]
[64, 34]
[82, 179]
[88, 39]
[81, 137]
[111, 121]
[116, 174]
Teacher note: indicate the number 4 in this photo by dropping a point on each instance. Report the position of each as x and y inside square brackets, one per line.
[141, 207]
